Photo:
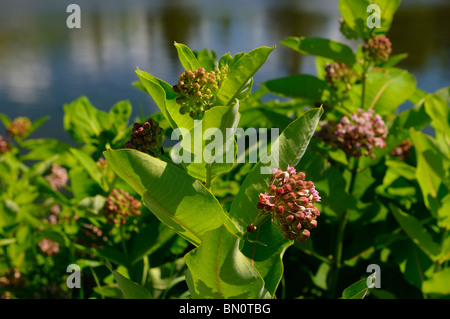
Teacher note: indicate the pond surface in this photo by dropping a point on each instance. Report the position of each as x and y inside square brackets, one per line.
[44, 65]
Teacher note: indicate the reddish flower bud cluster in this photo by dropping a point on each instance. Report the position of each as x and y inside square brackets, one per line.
[19, 127]
[339, 75]
[196, 90]
[402, 150]
[5, 146]
[147, 138]
[378, 49]
[357, 136]
[49, 247]
[58, 177]
[119, 204]
[290, 200]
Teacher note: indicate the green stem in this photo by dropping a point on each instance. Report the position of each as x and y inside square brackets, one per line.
[363, 80]
[122, 240]
[334, 273]
[97, 282]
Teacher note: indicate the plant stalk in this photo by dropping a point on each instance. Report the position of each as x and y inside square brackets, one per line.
[334, 273]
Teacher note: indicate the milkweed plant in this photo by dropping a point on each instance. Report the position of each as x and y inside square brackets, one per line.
[174, 204]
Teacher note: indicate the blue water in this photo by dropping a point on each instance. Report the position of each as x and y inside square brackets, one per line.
[44, 65]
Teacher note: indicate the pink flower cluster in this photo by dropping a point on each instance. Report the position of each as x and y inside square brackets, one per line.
[119, 204]
[58, 177]
[290, 200]
[357, 135]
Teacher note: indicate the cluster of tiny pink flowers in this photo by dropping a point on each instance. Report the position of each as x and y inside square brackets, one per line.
[196, 90]
[49, 247]
[58, 177]
[119, 204]
[147, 137]
[19, 127]
[358, 135]
[378, 49]
[290, 201]
[5, 146]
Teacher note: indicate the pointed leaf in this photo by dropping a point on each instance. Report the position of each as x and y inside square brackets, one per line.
[217, 269]
[177, 199]
[240, 73]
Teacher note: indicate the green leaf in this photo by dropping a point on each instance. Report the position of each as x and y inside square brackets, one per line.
[165, 98]
[44, 148]
[326, 48]
[217, 269]
[220, 155]
[186, 205]
[355, 15]
[298, 86]
[439, 112]
[417, 233]
[7, 241]
[386, 90]
[240, 73]
[187, 57]
[81, 120]
[91, 167]
[387, 11]
[432, 171]
[356, 291]
[130, 289]
[437, 283]
[119, 115]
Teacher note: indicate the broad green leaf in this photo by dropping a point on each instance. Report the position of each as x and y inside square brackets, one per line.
[219, 154]
[165, 98]
[91, 167]
[265, 249]
[298, 86]
[207, 59]
[326, 48]
[387, 11]
[217, 269]
[417, 233]
[438, 283]
[130, 289]
[240, 73]
[177, 199]
[81, 120]
[355, 15]
[386, 90]
[356, 291]
[187, 57]
[439, 112]
[432, 171]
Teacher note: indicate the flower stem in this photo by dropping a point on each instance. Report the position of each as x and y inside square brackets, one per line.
[122, 240]
[334, 273]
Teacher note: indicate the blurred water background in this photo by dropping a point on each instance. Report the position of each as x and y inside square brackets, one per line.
[44, 65]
